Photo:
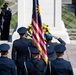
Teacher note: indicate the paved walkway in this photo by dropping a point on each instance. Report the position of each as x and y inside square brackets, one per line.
[70, 53]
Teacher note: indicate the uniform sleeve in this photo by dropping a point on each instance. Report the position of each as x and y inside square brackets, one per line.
[70, 70]
[61, 41]
[13, 52]
[13, 69]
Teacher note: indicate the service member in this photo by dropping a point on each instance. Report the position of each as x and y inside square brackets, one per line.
[36, 66]
[20, 50]
[7, 65]
[59, 66]
[50, 45]
[5, 23]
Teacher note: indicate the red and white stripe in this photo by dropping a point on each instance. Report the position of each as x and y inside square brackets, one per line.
[38, 38]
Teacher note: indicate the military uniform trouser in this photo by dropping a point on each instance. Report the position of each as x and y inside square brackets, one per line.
[20, 66]
[21, 71]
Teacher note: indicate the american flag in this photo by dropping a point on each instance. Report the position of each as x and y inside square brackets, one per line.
[38, 35]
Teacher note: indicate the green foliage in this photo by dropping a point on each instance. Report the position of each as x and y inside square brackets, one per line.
[14, 21]
[1, 2]
[68, 18]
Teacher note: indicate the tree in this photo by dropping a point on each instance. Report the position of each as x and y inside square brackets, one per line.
[1, 2]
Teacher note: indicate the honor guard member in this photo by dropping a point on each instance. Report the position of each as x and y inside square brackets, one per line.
[5, 26]
[36, 66]
[50, 45]
[7, 65]
[20, 50]
[59, 66]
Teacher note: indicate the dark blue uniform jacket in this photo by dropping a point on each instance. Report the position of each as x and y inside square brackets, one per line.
[50, 45]
[36, 67]
[61, 67]
[50, 48]
[7, 66]
[20, 49]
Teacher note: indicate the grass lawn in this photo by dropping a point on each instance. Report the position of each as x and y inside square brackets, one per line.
[69, 19]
